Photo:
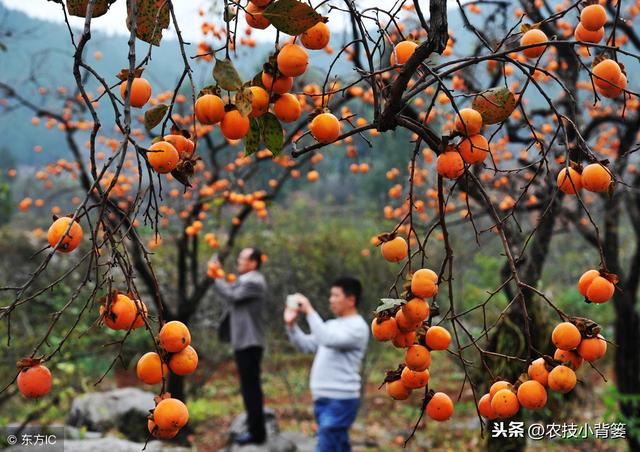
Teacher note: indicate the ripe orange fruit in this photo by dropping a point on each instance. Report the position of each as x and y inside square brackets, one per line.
[325, 128]
[417, 358]
[287, 108]
[140, 91]
[183, 145]
[184, 362]
[497, 386]
[34, 381]
[424, 283]
[468, 122]
[394, 250]
[449, 164]
[174, 336]
[569, 181]
[404, 325]
[474, 149]
[209, 109]
[485, 409]
[566, 336]
[440, 407]
[141, 313]
[606, 73]
[593, 17]
[505, 403]
[404, 340]
[261, 3]
[398, 391]
[582, 34]
[568, 356]
[414, 380]
[437, 338]
[170, 414]
[316, 37]
[402, 52]
[533, 36]
[416, 310]
[259, 101]
[234, 126]
[254, 17]
[596, 178]
[538, 371]
[385, 330]
[122, 313]
[159, 433]
[163, 157]
[594, 287]
[562, 379]
[292, 60]
[70, 240]
[280, 86]
[150, 368]
[532, 395]
[593, 348]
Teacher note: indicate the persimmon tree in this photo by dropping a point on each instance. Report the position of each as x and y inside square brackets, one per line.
[531, 129]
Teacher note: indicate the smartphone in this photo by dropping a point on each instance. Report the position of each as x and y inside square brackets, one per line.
[292, 301]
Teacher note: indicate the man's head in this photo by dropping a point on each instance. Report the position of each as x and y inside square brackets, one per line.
[249, 259]
[345, 296]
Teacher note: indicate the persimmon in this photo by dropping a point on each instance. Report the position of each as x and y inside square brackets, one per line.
[417, 357]
[533, 36]
[593, 17]
[261, 3]
[69, 240]
[384, 330]
[414, 379]
[606, 73]
[397, 391]
[582, 34]
[325, 128]
[163, 157]
[613, 91]
[594, 287]
[150, 368]
[174, 336]
[404, 339]
[440, 407]
[255, 18]
[437, 338]
[259, 101]
[566, 336]
[34, 381]
[209, 109]
[416, 310]
[562, 379]
[532, 395]
[183, 145]
[474, 149]
[592, 348]
[568, 356]
[505, 403]
[141, 314]
[316, 37]
[170, 414]
[497, 386]
[404, 324]
[140, 91]
[402, 52]
[538, 371]
[159, 433]
[234, 126]
[485, 409]
[121, 314]
[449, 164]
[468, 122]
[287, 108]
[596, 178]
[184, 362]
[280, 86]
[424, 283]
[394, 250]
[569, 181]
[292, 60]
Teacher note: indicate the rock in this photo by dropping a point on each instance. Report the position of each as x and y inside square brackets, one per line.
[122, 408]
[239, 424]
[106, 444]
[280, 442]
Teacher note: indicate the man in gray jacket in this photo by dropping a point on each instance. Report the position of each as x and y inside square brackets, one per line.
[245, 301]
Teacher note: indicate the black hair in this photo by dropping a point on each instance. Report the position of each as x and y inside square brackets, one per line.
[350, 286]
[256, 256]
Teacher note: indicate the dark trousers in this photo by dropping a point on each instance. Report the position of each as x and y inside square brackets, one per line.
[248, 362]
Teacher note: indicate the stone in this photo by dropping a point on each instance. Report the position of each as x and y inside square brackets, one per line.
[106, 444]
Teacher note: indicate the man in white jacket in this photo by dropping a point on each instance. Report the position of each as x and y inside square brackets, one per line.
[339, 345]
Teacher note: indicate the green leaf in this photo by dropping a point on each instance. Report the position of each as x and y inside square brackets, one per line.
[252, 138]
[291, 16]
[154, 115]
[151, 20]
[389, 303]
[243, 101]
[226, 75]
[272, 133]
[79, 7]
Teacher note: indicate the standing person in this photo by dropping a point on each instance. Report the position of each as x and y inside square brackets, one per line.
[245, 301]
[339, 345]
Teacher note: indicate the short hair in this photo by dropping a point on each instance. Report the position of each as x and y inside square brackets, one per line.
[256, 256]
[350, 286]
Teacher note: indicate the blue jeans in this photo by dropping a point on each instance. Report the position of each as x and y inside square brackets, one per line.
[334, 418]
